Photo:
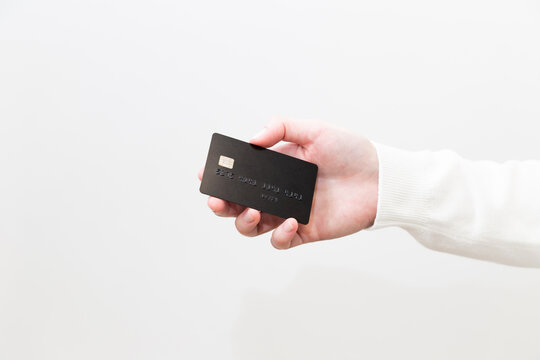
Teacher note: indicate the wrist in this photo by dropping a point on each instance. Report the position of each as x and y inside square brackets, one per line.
[372, 184]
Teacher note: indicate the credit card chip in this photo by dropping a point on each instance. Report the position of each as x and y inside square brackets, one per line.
[226, 161]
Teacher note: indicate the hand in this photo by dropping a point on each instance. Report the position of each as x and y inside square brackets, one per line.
[346, 191]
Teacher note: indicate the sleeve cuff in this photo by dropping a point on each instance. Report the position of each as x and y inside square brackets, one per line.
[404, 196]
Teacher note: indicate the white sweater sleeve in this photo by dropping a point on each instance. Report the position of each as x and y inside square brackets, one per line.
[478, 209]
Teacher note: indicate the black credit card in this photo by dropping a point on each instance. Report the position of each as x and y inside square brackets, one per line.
[259, 178]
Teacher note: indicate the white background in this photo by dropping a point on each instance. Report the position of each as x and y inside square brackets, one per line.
[107, 248]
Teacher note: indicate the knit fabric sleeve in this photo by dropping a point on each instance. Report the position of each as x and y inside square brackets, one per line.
[479, 209]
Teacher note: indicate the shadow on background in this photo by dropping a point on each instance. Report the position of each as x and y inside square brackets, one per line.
[335, 314]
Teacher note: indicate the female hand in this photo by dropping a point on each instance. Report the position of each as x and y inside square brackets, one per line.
[346, 191]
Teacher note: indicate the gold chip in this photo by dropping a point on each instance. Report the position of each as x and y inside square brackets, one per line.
[226, 161]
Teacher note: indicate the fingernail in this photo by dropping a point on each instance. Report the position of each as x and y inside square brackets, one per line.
[250, 216]
[259, 134]
[288, 226]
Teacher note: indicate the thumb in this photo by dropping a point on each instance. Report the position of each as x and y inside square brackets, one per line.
[297, 131]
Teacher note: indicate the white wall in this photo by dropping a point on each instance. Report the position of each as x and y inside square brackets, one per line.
[107, 248]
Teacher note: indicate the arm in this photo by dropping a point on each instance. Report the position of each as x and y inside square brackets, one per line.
[478, 209]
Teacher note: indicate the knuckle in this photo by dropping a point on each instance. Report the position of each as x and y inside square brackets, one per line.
[276, 122]
[243, 228]
[219, 213]
[276, 243]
